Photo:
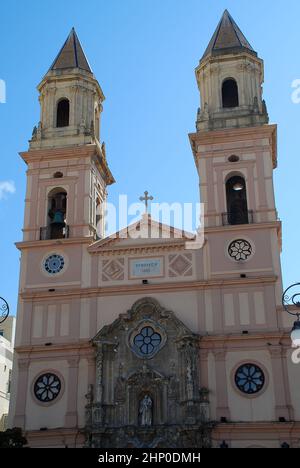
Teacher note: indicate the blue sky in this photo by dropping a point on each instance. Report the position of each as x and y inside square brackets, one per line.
[144, 52]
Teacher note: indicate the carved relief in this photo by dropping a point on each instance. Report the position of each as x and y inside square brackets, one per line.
[180, 265]
[113, 270]
[139, 400]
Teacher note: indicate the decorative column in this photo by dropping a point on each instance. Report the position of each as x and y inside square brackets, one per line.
[97, 408]
[91, 361]
[221, 384]
[281, 405]
[203, 378]
[71, 419]
[19, 419]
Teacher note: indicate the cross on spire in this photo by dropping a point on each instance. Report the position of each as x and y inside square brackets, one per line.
[146, 199]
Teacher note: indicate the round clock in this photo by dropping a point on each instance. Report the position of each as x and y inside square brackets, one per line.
[54, 264]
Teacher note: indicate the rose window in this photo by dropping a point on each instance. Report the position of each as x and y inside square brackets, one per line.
[249, 379]
[147, 341]
[240, 250]
[47, 388]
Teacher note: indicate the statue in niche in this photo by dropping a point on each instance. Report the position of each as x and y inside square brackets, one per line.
[145, 411]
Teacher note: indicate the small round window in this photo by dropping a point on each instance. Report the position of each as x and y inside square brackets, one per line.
[249, 379]
[240, 250]
[147, 341]
[47, 388]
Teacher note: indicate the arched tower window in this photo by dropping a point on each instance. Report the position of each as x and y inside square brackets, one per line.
[237, 206]
[57, 211]
[230, 93]
[63, 113]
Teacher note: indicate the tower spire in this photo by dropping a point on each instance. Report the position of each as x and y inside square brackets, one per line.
[227, 38]
[71, 55]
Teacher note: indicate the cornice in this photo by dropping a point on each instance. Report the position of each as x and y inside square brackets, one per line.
[214, 343]
[228, 135]
[243, 227]
[130, 289]
[53, 242]
[231, 135]
[269, 340]
[78, 349]
[243, 429]
[142, 249]
[67, 152]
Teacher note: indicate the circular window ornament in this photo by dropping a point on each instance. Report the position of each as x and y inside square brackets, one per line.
[249, 379]
[240, 250]
[147, 339]
[47, 388]
[54, 264]
[233, 158]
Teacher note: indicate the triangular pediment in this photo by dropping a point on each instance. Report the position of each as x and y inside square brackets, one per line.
[144, 233]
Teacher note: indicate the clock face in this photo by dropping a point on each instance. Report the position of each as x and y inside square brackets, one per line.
[54, 264]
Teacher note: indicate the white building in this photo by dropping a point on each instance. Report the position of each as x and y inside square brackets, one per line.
[7, 338]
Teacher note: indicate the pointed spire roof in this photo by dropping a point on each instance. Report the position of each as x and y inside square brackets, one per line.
[228, 38]
[71, 55]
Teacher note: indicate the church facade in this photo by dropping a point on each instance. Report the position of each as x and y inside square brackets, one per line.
[138, 341]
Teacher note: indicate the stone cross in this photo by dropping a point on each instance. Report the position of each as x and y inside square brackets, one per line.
[146, 199]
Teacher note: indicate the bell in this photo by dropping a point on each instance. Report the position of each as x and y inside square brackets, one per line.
[58, 218]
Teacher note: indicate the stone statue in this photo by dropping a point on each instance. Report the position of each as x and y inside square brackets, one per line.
[146, 411]
[34, 133]
[90, 395]
[39, 131]
[205, 111]
[103, 149]
[82, 126]
[92, 129]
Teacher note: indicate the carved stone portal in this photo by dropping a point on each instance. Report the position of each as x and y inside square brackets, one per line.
[146, 391]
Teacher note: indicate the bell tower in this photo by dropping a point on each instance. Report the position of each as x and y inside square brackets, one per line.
[71, 101]
[230, 77]
[68, 173]
[235, 151]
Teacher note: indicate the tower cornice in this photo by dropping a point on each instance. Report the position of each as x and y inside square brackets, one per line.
[85, 151]
[204, 139]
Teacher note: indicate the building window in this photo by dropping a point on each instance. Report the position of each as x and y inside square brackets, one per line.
[249, 379]
[57, 211]
[147, 341]
[237, 206]
[230, 94]
[1, 332]
[47, 388]
[63, 113]
[240, 250]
